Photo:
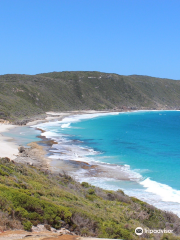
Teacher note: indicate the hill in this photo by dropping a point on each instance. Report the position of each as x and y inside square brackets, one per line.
[84, 209]
[23, 96]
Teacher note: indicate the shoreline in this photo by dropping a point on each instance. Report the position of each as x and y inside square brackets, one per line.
[99, 170]
[9, 148]
[71, 166]
[37, 154]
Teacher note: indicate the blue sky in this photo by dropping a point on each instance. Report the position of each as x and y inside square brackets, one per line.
[117, 36]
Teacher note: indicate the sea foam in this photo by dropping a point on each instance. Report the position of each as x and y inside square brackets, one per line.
[155, 193]
[165, 192]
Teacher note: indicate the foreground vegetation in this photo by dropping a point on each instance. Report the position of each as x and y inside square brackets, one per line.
[29, 196]
[23, 96]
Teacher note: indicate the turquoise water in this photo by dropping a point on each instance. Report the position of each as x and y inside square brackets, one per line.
[144, 144]
[23, 135]
[147, 141]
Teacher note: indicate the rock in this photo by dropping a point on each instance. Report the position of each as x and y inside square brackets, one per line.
[47, 226]
[6, 159]
[21, 149]
[63, 231]
[38, 228]
[53, 229]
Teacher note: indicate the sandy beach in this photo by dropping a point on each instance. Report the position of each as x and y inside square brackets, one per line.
[40, 154]
[58, 116]
[7, 147]
[37, 155]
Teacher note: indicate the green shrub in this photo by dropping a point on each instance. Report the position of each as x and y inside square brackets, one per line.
[91, 191]
[85, 184]
[34, 197]
[27, 225]
[2, 173]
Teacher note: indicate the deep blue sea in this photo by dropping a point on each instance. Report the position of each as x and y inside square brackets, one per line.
[143, 145]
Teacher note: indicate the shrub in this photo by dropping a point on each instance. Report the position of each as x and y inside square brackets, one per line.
[27, 225]
[91, 191]
[34, 197]
[85, 184]
[2, 173]
[7, 222]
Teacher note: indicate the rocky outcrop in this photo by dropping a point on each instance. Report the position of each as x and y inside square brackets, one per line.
[45, 227]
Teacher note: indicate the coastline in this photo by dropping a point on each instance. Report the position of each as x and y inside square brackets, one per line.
[37, 154]
[93, 170]
[9, 148]
[72, 166]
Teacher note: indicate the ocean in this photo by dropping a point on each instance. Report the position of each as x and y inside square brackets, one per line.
[138, 152]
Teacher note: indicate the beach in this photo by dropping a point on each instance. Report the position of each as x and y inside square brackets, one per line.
[57, 154]
[37, 154]
[7, 147]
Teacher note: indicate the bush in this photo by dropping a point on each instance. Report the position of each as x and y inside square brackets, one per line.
[3, 173]
[27, 225]
[32, 197]
[34, 209]
[91, 191]
[85, 184]
[7, 222]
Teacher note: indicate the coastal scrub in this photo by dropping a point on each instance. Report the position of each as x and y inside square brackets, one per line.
[29, 196]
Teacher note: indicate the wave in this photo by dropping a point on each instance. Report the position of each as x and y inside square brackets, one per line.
[157, 194]
[133, 189]
[67, 151]
[77, 118]
[66, 122]
[166, 193]
[65, 125]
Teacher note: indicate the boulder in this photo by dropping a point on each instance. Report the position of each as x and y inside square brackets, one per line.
[63, 231]
[38, 228]
[21, 149]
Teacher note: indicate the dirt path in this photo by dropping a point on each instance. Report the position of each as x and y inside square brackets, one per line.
[44, 235]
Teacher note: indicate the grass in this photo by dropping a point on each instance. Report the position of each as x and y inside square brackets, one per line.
[29, 196]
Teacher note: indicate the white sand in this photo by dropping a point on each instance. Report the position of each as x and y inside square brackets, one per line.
[58, 116]
[7, 147]
[10, 149]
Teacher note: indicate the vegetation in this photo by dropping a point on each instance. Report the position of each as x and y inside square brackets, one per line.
[62, 202]
[23, 96]
[29, 196]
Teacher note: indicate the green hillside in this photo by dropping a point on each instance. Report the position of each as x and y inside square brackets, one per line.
[22, 96]
[87, 210]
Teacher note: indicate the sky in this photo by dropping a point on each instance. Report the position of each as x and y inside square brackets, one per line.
[115, 36]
